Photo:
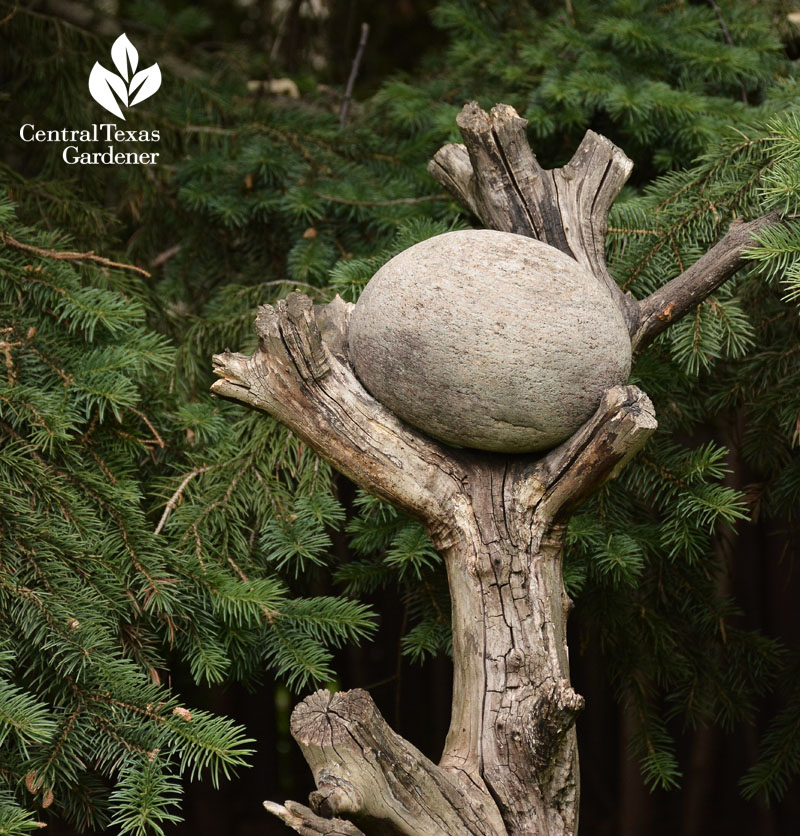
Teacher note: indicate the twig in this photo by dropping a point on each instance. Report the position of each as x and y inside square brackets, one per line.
[156, 436]
[291, 11]
[238, 571]
[621, 230]
[173, 500]
[69, 256]
[10, 15]
[348, 92]
[398, 201]
[209, 129]
[165, 256]
[722, 25]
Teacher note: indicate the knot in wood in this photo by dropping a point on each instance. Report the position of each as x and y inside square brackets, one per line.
[515, 660]
[335, 796]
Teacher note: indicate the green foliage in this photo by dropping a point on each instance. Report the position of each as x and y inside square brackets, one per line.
[14, 821]
[93, 596]
[658, 79]
[779, 763]
[143, 797]
[395, 550]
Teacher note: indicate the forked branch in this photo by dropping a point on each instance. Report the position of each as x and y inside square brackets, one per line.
[364, 771]
[510, 757]
[623, 422]
[301, 376]
[509, 766]
[496, 174]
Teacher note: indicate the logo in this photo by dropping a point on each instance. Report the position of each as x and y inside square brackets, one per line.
[113, 92]
[129, 87]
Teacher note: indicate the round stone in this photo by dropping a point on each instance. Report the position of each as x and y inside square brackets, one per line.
[488, 339]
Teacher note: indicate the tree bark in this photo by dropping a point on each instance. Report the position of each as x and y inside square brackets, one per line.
[510, 759]
[510, 764]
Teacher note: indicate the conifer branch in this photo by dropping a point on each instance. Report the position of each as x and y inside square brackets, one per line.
[676, 298]
[157, 439]
[58, 255]
[728, 39]
[173, 500]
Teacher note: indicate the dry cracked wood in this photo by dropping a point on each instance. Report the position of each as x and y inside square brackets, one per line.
[509, 765]
[497, 175]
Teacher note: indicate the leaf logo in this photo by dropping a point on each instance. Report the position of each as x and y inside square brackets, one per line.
[129, 87]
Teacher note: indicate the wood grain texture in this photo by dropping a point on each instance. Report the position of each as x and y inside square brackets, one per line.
[509, 765]
[306, 382]
[307, 823]
[675, 299]
[508, 190]
[367, 772]
[510, 762]
[496, 175]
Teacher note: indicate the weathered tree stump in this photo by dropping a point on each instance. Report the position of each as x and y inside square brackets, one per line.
[509, 765]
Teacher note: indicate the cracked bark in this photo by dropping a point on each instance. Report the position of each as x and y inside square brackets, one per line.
[509, 765]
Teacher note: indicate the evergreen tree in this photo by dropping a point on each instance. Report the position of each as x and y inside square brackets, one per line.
[95, 598]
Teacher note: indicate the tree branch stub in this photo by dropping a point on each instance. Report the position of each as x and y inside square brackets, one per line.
[367, 772]
[307, 823]
[305, 382]
[499, 178]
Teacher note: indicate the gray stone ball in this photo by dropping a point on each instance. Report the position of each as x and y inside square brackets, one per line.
[489, 340]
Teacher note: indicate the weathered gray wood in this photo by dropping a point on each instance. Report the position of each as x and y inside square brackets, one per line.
[306, 383]
[513, 706]
[451, 166]
[307, 823]
[675, 299]
[509, 765]
[496, 175]
[488, 340]
[510, 760]
[364, 771]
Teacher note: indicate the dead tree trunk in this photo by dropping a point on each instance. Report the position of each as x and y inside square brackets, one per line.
[509, 765]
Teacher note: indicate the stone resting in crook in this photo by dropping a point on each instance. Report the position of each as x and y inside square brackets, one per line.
[502, 345]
